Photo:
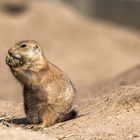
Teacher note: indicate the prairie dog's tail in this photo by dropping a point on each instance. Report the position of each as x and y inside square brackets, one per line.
[68, 116]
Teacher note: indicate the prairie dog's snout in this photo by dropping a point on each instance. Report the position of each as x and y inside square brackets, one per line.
[22, 53]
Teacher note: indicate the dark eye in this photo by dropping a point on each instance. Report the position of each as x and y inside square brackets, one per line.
[36, 46]
[23, 46]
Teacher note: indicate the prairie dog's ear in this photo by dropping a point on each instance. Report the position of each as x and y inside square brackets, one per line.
[36, 48]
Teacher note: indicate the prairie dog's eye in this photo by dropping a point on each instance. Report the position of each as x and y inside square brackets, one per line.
[36, 46]
[23, 45]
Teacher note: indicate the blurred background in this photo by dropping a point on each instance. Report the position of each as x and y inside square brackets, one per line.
[91, 40]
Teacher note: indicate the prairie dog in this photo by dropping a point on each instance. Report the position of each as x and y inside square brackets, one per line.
[48, 92]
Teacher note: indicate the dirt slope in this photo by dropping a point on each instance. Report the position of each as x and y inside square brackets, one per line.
[110, 117]
[128, 77]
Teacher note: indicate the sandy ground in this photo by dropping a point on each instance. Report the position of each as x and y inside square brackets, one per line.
[18, 133]
[109, 117]
[102, 60]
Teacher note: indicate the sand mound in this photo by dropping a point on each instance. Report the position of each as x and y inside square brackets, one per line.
[127, 78]
[113, 116]
[119, 99]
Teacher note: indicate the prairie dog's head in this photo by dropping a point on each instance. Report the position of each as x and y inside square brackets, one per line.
[24, 53]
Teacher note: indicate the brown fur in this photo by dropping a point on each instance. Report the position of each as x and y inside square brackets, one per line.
[48, 92]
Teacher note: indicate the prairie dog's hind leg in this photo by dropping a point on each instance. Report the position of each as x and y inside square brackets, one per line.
[49, 118]
[68, 116]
